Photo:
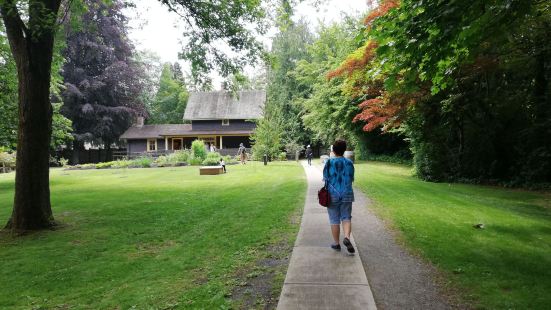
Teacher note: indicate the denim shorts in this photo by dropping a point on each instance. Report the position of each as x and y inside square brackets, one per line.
[339, 211]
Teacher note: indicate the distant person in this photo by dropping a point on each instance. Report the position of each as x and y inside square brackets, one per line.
[309, 154]
[338, 172]
[223, 164]
[242, 152]
[212, 148]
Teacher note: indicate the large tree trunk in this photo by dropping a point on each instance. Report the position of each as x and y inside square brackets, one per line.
[32, 208]
[33, 55]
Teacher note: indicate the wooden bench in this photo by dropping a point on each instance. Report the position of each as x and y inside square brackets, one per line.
[211, 170]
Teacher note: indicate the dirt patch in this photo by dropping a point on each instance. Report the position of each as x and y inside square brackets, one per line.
[259, 286]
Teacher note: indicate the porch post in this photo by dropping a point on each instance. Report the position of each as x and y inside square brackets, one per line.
[166, 143]
[220, 142]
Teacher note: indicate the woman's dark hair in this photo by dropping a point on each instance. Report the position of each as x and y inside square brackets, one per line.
[339, 147]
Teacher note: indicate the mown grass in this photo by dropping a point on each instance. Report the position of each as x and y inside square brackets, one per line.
[148, 238]
[506, 265]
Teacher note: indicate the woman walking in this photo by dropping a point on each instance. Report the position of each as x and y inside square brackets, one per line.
[309, 155]
[242, 152]
[338, 173]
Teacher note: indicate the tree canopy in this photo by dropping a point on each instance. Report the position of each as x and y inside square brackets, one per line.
[102, 79]
[466, 82]
[170, 101]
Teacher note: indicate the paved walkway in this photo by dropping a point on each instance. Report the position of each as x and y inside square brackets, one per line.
[319, 277]
[383, 275]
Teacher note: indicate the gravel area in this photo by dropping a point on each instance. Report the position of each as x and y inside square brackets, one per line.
[398, 279]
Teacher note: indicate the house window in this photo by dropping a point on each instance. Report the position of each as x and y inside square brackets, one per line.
[151, 145]
[225, 122]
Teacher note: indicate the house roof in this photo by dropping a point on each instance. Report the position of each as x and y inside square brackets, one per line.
[222, 105]
[159, 131]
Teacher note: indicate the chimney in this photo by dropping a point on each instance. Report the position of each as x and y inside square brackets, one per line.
[139, 121]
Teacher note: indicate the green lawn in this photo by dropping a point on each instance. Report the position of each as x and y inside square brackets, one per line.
[149, 238]
[506, 265]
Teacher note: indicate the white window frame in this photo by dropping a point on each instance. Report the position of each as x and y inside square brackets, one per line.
[225, 122]
[149, 144]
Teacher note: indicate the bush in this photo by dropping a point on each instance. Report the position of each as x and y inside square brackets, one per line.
[213, 159]
[163, 161]
[230, 159]
[8, 159]
[142, 162]
[63, 162]
[195, 161]
[121, 164]
[198, 149]
[282, 156]
[182, 156]
[105, 165]
[53, 161]
[211, 162]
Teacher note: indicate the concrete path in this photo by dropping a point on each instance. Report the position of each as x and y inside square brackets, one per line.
[384, 275]
[319, 277]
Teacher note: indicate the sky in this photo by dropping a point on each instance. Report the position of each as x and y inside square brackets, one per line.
[155, 29]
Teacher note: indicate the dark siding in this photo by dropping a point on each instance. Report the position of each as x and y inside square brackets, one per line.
[187, 142]
[217, 125]
[137, 146]
[233, 141]
[161, 144]
[140, 145]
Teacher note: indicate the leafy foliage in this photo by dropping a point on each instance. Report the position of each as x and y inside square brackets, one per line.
[8, 94]
[466, 82]
[61, 129]
[170, 101]
[267, 137]
[212, 159]
[7, 159]
[331, 104]
[61, 126]
[101, 78]
[198, 149]
[233, 27]
[288, 47]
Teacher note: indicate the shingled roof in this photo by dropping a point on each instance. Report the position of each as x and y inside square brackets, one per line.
[222, 105]
[156, 131]
[163, 130]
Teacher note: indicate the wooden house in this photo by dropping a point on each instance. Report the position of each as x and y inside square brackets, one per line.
[217, 118]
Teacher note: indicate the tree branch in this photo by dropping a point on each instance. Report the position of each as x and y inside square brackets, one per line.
[15, 27]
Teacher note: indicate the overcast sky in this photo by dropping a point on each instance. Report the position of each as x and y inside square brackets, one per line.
[154, 28]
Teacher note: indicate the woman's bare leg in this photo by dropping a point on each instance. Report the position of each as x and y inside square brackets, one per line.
[336, 230]
[347, 227]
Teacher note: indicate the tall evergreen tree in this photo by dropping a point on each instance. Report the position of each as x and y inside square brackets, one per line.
[288, 47]
[102, 93]
[170, 101]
